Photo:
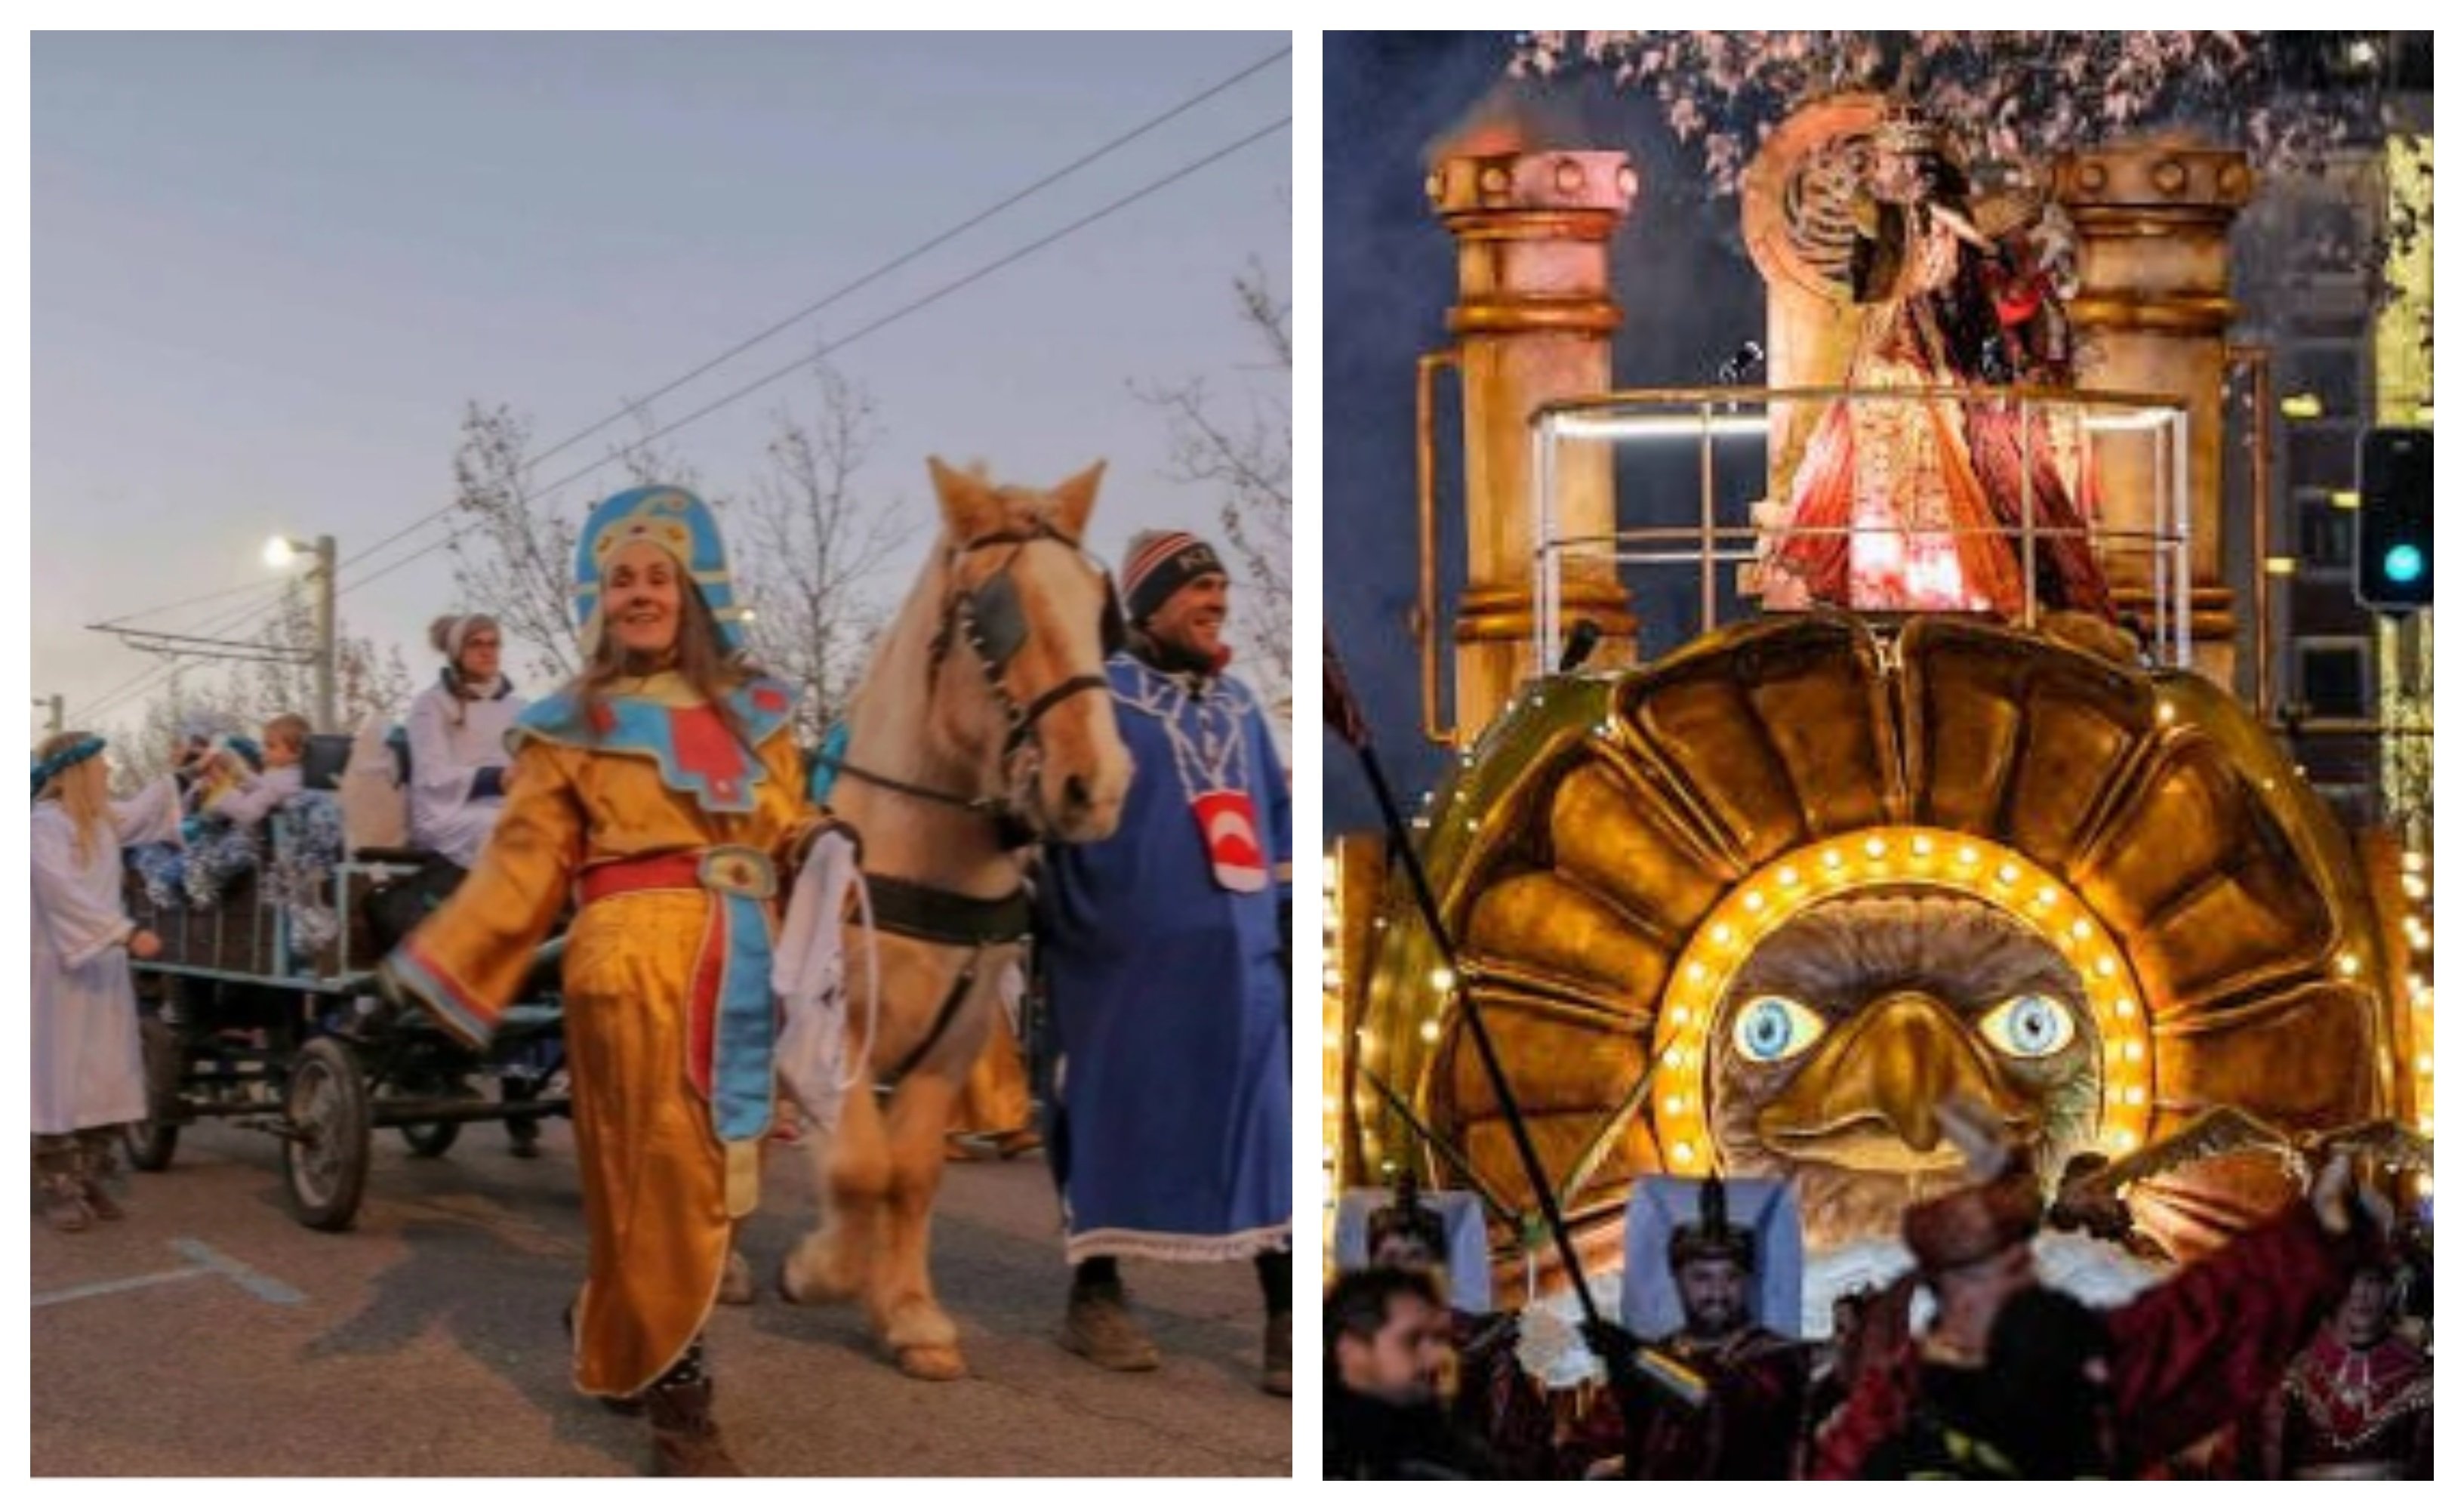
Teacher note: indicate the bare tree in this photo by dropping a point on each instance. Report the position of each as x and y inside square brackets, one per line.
[649, 463]
[517, 558]
[142, 748]
[1245, 449]
[370, 680]
[813, 543]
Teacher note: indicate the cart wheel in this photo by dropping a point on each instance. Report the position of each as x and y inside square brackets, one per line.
[429, 1141]
[325, 1162]
[151, 1142]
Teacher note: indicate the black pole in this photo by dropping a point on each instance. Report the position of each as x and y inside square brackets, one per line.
[1400, 834]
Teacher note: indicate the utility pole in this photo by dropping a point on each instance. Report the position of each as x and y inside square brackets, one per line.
[59, 719]
[328, 721]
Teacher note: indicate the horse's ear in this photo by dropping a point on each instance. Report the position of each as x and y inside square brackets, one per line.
[968, 506]
[1075, 499]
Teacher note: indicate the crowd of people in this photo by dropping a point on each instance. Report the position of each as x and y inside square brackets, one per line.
[2298, 1350]
[660, 801]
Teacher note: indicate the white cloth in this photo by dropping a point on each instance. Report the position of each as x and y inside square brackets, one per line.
[376, 809]
[89, 1071]
[451, 742]
[807, 971]
[258, 794]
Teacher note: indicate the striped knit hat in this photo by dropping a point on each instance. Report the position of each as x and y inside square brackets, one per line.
[1160, 564]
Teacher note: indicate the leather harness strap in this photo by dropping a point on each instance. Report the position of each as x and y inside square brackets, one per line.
[948, 1014]
[945, 918]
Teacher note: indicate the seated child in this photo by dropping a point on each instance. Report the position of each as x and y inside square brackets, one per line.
[244, 797]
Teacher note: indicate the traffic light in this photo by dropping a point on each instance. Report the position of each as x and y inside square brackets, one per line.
[2391, 545]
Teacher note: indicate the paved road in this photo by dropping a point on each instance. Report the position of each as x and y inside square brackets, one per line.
[211, 1335]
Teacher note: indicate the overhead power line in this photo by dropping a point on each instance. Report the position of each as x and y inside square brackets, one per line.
[912, 308]
[143, 680]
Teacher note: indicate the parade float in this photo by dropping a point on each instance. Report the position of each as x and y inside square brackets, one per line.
[1750, 882]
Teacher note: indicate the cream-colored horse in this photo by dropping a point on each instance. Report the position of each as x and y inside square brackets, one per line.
[984, 720]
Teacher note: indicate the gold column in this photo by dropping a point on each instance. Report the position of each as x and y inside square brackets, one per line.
[2152, 309]
[1531, 322]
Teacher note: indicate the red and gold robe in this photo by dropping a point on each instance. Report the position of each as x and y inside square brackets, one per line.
[2188, 1356]
[2350, 1413]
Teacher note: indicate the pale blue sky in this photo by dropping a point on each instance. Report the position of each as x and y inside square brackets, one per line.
[269, 271]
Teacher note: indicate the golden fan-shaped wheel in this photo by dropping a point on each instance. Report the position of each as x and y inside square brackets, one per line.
[2089, 893]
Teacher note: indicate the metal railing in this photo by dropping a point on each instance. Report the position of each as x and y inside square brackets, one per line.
[1733, 424]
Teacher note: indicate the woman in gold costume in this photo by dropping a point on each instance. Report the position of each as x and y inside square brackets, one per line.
[1918, 503]
[662, 793]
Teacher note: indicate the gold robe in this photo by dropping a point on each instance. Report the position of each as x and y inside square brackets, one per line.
[655, 1177]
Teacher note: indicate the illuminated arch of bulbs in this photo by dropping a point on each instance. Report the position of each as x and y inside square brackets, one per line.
[1865, 861]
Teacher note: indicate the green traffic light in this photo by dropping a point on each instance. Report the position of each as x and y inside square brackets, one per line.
[2404, 564]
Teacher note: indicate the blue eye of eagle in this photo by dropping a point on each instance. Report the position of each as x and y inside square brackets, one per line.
[2029, 1026]
[1773, 1029]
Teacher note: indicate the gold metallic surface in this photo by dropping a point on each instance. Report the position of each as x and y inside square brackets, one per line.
[1434, 726]
[1532, 316]
[2155, 218]
[1607, 823]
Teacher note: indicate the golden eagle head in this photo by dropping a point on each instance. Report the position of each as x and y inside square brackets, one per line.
[1843, 1036]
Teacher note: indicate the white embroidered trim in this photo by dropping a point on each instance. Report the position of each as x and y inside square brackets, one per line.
[1172, 1248]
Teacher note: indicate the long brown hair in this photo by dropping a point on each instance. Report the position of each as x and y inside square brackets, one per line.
[84, 791]
[700, 658]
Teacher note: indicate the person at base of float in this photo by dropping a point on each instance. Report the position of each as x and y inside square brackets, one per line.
[456, 731]
[664, 787]
[1493, 1401]
[2356, 1404]
[1750, 1424]
[88, 1063]
[1167, 950]
[2017, 1381]
[1388, 1356]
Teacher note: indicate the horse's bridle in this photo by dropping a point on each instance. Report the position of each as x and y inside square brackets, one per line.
[991, 622]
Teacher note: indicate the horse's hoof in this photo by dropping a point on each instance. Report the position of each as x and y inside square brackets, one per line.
[931, 1362]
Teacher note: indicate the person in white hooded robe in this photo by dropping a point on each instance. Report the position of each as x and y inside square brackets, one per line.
[456, 729]
[89, 1068]
[457, 732]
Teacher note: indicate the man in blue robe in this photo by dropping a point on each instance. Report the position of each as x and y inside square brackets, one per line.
[1167, 952]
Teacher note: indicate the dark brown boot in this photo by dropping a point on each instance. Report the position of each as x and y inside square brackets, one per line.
[1276, 1378]
[683, 1437]
[98, 1163]
[1099, 1327]
[55, 1173]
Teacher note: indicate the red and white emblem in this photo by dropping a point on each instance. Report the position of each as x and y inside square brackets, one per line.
[1229, 823]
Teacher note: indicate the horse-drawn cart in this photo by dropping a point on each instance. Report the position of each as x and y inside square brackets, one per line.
[258, 1012]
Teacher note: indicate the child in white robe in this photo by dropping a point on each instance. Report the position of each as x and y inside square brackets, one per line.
[89, 1069]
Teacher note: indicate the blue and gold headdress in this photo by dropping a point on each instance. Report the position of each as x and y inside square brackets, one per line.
[85, 749]
[678, 522]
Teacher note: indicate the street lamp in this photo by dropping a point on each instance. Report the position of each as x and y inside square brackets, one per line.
[281, 552]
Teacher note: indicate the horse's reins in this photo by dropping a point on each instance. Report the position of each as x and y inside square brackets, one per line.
[932, 914]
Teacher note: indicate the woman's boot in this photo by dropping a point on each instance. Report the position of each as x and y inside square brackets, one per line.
[98, 1163]
[682, 1438]
[55, 1174]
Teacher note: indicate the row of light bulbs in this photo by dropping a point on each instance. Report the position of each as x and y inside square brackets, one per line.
[1883, 856]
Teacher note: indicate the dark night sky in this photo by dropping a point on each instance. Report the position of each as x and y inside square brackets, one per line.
[1689, 292]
